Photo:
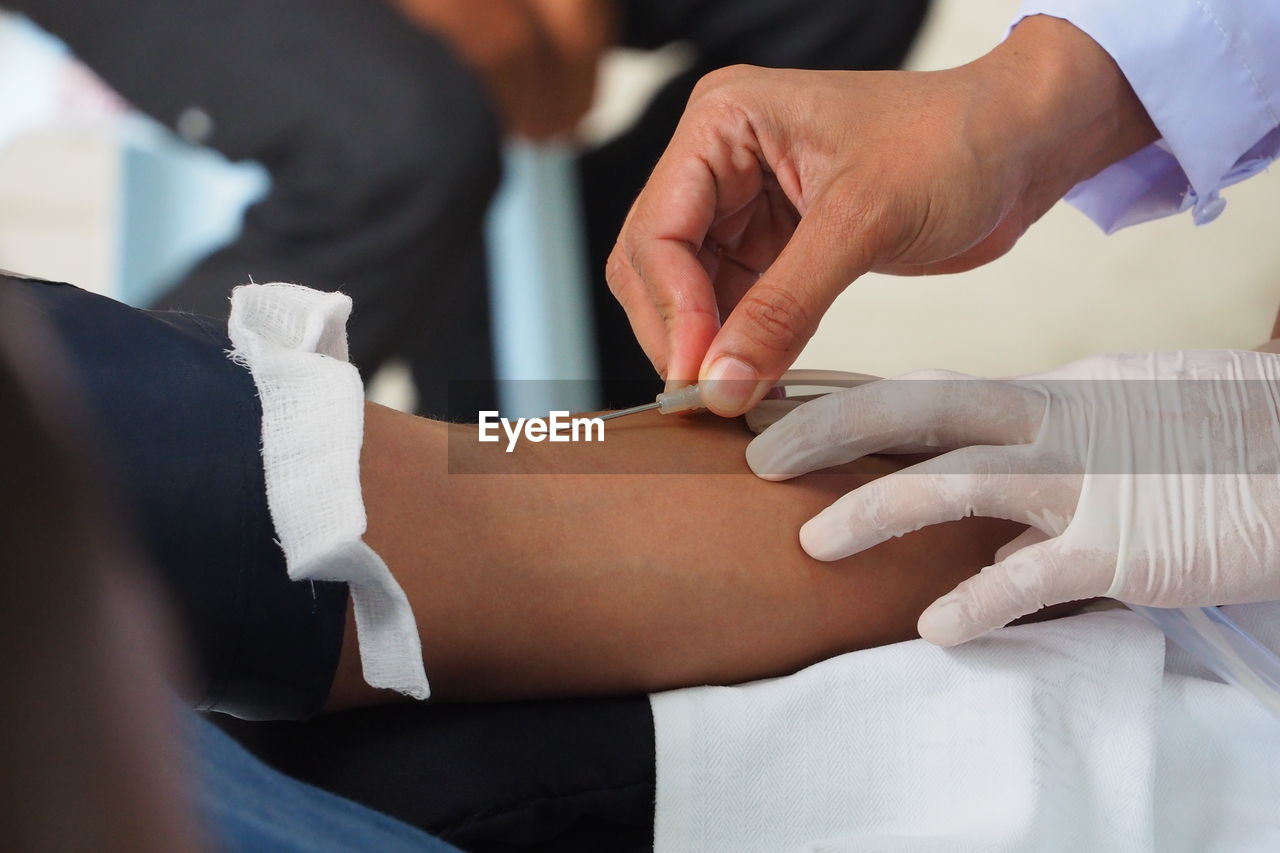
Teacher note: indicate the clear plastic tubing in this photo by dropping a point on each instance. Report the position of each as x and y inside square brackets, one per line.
[824, 379]
[1222, 646]
[689, 398]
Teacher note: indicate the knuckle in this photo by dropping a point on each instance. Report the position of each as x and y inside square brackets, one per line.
[728, 77]
[722, 103]
[955, 494]
[878, 504]
[1007, 595]
[618, 272]
[919, 413]
[857, 211]
[776, 320]
[666, 304]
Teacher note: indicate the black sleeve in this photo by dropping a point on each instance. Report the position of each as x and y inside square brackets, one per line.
[181, 426]
[815, 34]
[562, 776]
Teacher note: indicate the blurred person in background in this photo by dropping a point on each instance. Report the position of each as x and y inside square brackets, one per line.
[380, 122]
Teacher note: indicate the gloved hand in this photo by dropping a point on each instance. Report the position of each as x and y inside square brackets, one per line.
[1150, 478]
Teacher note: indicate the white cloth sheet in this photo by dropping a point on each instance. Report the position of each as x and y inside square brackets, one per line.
[294, 342]
[1208, 73]
[1065, 736]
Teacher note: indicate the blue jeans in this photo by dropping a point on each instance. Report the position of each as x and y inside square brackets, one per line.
[247, 806]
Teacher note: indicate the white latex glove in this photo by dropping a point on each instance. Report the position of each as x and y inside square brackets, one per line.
[1151, 478]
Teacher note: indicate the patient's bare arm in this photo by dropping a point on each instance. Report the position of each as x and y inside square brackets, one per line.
[533, 583]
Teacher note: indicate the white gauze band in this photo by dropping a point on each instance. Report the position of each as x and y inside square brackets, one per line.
[294, 342]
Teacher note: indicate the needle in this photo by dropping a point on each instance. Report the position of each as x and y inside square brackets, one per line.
[687, 399]
[631, 411]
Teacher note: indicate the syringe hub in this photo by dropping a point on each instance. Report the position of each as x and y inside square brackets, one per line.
[686, 399]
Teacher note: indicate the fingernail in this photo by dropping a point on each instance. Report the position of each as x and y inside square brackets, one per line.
[729, 385]
[765, 458]
[821, 539]
[676, 385]
[944, 622]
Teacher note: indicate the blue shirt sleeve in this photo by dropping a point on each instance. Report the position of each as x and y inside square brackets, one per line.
[1208, 73]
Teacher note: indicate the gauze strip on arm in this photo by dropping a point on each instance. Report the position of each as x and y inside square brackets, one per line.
[294, 342]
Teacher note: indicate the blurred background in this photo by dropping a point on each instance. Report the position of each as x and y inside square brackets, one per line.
[92, 194]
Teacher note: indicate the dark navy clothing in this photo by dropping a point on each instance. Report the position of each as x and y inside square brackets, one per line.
[567, 776]
[182, 425]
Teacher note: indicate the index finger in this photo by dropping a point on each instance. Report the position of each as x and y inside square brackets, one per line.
[934, 409]
[660, 266]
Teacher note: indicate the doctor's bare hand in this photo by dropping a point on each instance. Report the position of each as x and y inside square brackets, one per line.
[780, 188]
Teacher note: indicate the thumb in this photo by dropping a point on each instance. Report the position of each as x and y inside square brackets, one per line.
[1021, 583]
[775, 318]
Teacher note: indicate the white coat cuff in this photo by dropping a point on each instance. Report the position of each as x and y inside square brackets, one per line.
[294, 342]
[1208, 75]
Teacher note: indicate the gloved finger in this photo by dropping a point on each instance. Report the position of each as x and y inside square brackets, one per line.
[1030, 536]
[768, 411]
[987, 481]
[1022, 583]
[927, 408]
[773, 320]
